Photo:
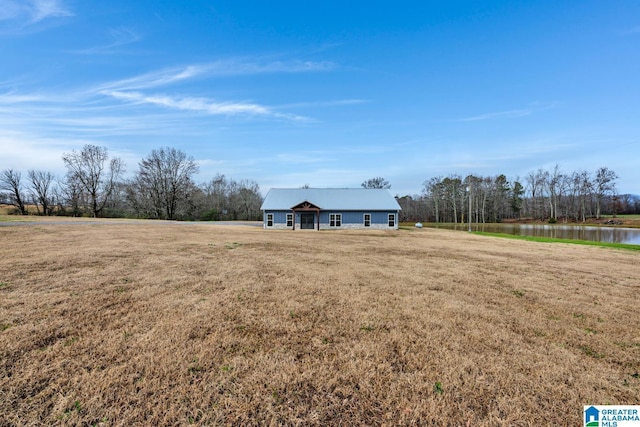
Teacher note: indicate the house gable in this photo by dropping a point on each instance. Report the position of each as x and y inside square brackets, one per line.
[305, 206]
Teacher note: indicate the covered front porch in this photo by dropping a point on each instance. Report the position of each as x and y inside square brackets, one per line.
[309, 215]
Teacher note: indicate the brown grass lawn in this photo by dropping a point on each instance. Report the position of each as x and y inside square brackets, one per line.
[156, 323]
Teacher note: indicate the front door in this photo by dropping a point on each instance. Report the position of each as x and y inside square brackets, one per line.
[306, 221]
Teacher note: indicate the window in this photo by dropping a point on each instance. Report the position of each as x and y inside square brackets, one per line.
[367, 220]
[335, 220]
[269, 220]
[392, 220]
[289, 220]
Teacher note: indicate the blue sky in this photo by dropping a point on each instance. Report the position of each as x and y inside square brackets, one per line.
[328, 93]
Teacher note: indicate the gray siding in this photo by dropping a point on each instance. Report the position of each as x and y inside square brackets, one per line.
[350, 219]
[279, 219]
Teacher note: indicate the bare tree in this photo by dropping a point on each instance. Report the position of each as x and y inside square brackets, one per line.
[604, 185]
[42, 192]
[454, 192]
[231, 199]
[96, 173]
[72, 194]
[485, 192]
[10, 181]
[535, 186]
[553, 182]
[414, 208]
[585, 186]
[549, 194]
[166, 175]
[434, 190]
[215, 192]
[377, 182]
[245, 199]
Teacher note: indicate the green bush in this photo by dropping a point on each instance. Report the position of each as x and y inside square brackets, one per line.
[210, 215]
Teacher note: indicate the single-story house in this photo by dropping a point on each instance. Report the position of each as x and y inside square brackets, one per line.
[330, 208]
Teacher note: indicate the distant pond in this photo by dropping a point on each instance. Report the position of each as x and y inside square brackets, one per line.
[574, 232]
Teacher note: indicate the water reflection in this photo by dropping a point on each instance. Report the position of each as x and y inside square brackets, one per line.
[575, 232]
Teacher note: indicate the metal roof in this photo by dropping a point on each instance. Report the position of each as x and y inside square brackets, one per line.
[346, 199]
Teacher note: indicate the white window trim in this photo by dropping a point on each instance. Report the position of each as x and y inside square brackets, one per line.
[364, 220]
[289, 220]
[269, 220]
[390, 218]
[335, 220]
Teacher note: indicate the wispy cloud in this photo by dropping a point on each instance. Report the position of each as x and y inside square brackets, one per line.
[154, 79]
[20, 17]
[32, 11]
[10, 10]
[202, 105]
[320, 177]
[333, 103]
[134, 89]
[532, 108]
[193, 104]
[25, 150]
[87, 116]
[42, 9]
[119, 37]
[510, 114]
[302, 157]
[14, 98]
[236, 67]
[629, 31]
[151, 105]
[222, 68]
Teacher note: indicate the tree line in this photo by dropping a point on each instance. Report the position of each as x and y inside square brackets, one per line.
[546, 194]
[163, 187]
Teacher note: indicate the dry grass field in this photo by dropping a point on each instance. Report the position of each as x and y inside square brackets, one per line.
[155, 323]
